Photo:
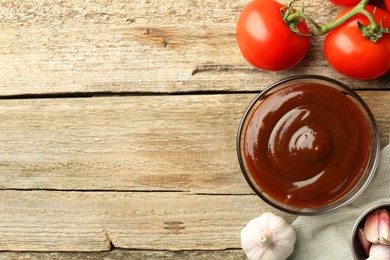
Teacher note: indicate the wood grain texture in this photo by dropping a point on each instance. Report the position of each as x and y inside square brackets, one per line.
[146, 143]
[50, 46]
[128, 254]
[99, 221]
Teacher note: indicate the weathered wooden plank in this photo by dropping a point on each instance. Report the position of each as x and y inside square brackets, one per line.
[128, 254]
[122, 143]
[98, 221]
[137, 46]
[181, 143]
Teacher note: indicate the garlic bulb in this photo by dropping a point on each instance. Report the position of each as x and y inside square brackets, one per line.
[375, 235]
[268, 237]
[379, 252]
[377, 227]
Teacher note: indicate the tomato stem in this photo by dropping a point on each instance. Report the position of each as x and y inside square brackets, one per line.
[292, 17]
[358, 9]
[299, 14]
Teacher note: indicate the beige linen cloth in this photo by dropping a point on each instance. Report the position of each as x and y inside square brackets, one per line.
[327, 236]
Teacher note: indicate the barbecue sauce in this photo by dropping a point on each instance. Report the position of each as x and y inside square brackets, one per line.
[307, 145]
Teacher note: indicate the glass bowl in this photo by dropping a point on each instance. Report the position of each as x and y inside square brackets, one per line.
[308, 144]
[356, 248]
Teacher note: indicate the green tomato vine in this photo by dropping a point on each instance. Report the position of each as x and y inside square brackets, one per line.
[373, 31]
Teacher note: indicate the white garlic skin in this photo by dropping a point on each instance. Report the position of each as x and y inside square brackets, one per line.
[268, 237]
[377, 227]
[366, 245]
[379, 252]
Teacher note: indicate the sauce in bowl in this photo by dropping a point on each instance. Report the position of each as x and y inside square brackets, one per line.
[306, 145]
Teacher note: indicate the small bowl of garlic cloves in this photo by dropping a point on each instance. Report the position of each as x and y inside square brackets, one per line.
[371, 233]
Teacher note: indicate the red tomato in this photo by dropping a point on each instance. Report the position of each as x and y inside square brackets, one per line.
[266, 41]
[345, 2]
[387, 4]
[351, 54]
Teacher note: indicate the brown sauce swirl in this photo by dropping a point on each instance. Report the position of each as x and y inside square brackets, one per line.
[307, 145]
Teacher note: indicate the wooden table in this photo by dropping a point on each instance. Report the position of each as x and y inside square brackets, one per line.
[118, 124]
